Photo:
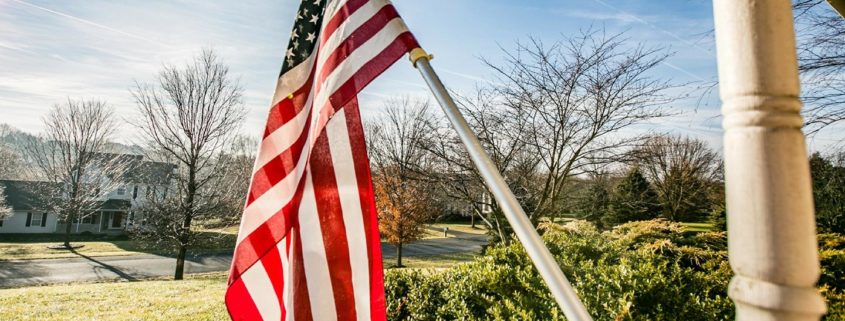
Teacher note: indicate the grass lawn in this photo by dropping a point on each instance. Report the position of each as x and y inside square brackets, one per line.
[434, 231]
[431, 262]
[199, 297]
[29, 247]
[29, 251]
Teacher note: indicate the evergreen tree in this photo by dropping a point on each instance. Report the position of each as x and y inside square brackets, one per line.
[828, 192]
[633, 200]
[719, 218]
[594, 202]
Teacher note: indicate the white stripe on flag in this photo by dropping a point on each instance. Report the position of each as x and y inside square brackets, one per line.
[287, 298]
[261, 291]
[315, 263]
[353, 218]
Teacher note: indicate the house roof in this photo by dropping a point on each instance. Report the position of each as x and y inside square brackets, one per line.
[140, 170]
[152, 173]
[35, 195]
[28, 195]
[115, 204]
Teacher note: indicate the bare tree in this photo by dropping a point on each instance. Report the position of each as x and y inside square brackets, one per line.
[501, 139]
[402, 170]
[13, 162]
[10, 163]
[555, 112]
[821, 53]
[238, 161]
[189, 118]
[683, 171]
[71, 155]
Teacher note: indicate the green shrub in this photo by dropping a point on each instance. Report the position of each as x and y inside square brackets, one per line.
[832, 255]
[649, 270]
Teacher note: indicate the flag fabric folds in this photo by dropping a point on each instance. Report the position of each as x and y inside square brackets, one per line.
[308, 246]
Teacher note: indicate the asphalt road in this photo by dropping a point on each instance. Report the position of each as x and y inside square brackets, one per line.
[135, 267]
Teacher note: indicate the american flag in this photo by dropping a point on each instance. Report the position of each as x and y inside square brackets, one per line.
[308, 246]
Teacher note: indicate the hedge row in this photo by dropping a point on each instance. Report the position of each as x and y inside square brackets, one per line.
[649, 270]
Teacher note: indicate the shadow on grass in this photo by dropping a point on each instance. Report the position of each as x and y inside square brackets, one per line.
[205, 242]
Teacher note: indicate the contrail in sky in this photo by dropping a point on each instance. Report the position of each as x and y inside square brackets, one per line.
[643, 21]
[671, 34]
[91, 23]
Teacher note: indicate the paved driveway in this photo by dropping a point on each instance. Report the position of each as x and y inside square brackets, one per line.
[89, 269]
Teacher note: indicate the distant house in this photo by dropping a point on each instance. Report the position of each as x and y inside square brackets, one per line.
[112, 215]
[28, 202]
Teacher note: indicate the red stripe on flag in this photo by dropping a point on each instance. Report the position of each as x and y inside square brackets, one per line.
[333, 228]
[239, 303]
[301, 300]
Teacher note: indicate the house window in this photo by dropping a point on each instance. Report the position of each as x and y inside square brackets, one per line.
[1, 223]
[37, 220]
[91, 219]
[121, 190]
[135, 192]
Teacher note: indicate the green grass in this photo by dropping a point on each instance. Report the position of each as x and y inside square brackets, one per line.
[435, 231]
[29, 247]
[199, 297]
[432, 262]
[30, 251]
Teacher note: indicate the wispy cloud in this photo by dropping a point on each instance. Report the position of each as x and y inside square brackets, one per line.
[592, 15]
[644, 21]
[471, 77]
[90, 23]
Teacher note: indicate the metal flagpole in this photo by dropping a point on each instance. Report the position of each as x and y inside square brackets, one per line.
[563, 292]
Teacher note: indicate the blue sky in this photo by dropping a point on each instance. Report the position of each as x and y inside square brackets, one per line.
[50, 50]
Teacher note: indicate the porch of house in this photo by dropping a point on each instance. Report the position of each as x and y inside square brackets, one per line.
[101, 222]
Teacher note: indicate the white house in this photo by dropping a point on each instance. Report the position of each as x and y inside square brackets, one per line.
[112, 215]
[28, 212]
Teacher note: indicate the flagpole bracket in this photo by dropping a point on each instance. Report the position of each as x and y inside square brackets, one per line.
[419, 53]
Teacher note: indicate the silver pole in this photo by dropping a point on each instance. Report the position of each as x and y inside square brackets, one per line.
[565, 296]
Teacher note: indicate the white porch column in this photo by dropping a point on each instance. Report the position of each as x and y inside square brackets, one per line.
[771, 224]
